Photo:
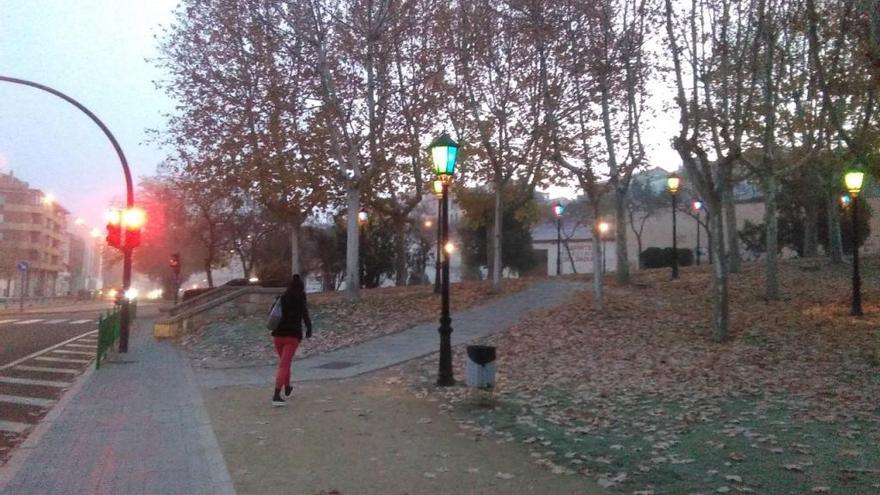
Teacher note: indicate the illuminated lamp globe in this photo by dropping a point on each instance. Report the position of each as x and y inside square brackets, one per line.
[444, 153]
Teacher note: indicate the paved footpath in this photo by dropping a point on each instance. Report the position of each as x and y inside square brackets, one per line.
[137, 426]
[415, 342]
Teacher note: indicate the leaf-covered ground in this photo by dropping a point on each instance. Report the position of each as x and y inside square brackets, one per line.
[336, 322]
[639, 397]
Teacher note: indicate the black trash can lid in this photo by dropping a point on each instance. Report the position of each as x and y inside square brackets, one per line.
[481, 354]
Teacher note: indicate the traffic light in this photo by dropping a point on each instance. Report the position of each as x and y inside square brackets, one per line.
[114, 235]
[175, 263]
[132, 238]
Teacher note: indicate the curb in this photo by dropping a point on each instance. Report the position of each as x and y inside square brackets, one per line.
[221, 480]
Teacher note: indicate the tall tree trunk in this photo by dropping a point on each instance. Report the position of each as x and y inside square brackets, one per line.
[490, 250]
[621, 248]
[732, 237]
[598, 285]
[245, 267]
[400, 253]
[720, 311]
[352, 245]
[209, 263]
[811, 230]
[496, 253]
[771, 225]
[294, 248]
[835, 243]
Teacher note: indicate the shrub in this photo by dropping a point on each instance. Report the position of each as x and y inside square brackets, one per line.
[654, 257]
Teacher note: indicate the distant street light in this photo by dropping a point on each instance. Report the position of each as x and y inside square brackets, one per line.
[444, 154]
[557, 210]
[672, 183]
[853, 180]
[363, 218]
[698, 206]
[603, 231]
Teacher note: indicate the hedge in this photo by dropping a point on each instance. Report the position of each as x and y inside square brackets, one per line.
[655, 257]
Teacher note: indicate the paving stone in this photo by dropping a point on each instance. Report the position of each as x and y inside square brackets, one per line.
[130, 429]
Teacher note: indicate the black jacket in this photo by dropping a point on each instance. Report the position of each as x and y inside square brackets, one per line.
[294, 311]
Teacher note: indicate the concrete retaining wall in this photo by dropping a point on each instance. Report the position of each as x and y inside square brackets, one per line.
[243, 301]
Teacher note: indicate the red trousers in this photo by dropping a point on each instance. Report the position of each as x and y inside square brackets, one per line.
[286, 348]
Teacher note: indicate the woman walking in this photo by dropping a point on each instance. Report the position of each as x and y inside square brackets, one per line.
[294, 311]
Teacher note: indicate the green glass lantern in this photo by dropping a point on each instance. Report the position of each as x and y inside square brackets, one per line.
[444, 152]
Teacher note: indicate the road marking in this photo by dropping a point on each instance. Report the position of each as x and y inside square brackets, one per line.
[81, 353]
[28, 322]
[28, 401]
[43, 369]
[8, 321]
[81, 346]
[28, 381]
[13, 426]
[62, 360]
[80, 322]
[52, 322]
[43, 351]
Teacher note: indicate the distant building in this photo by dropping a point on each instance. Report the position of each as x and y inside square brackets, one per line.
[575, 249]
[33, 228]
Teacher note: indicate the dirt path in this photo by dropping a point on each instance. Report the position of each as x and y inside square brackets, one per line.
[366, 436]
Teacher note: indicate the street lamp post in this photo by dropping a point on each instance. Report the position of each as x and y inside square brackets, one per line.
[444, 152]
[129, 195]
[698, 206]
[672, 183]
[558, 209]
[603, 236]
[437, 187]
[853, 180]
[363, 218]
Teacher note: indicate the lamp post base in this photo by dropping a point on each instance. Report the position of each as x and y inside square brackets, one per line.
[445, 376]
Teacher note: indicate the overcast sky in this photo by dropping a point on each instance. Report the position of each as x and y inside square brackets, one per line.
[96, 51]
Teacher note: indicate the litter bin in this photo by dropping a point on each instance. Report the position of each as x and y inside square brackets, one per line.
[480, 366]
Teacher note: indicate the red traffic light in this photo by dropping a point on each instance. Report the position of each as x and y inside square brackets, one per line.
[174, 262]
[132, 238]
[114, 235]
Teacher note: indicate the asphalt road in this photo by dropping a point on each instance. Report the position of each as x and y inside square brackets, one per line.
[25, 334]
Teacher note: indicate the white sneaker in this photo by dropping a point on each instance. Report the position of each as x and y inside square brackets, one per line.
[278, 403]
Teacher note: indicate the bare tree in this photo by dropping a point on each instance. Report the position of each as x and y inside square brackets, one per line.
[712, 108]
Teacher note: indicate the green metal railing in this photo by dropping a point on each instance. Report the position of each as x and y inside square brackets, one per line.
[108, 330]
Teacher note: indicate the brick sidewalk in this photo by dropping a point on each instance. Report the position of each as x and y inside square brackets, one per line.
[415, 342]
[137, 426]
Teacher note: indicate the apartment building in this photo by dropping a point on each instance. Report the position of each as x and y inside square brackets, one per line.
[33, 228]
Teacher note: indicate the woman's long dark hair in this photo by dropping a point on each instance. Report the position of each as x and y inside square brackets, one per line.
[296, 290]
